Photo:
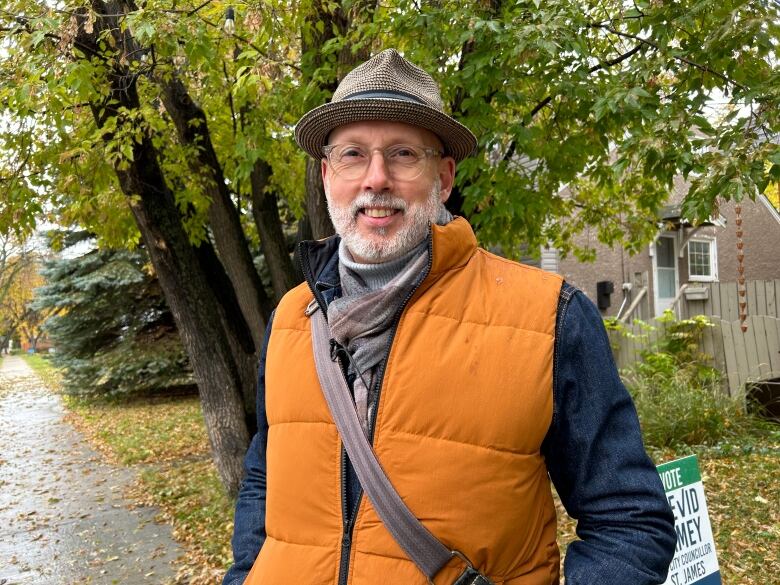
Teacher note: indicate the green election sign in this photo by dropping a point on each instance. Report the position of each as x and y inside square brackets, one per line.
[695, 561]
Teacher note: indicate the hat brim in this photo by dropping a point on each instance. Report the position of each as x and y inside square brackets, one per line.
[313, 128]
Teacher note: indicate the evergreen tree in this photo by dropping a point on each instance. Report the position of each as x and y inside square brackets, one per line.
[113, 332]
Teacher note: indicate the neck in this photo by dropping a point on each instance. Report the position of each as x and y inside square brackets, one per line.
[377, 275]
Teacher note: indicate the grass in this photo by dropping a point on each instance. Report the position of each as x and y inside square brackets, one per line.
[167, 438]
[194, 502]
[743, 495]
[41, 365]
[174, 425]
[741, 474]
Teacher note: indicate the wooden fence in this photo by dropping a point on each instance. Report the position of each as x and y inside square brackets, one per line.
[763, 298]
[743, 358]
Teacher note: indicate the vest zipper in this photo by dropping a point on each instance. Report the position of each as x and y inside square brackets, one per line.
[349, 522]
[348, 516]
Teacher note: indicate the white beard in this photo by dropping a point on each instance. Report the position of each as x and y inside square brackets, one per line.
[378, 247]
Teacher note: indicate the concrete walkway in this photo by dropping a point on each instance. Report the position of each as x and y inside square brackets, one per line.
[63, 517]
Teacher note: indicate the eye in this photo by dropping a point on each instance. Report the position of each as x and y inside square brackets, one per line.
[350, 154]
[403, 153]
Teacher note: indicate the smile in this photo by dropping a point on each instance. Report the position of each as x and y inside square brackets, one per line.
[379, 211]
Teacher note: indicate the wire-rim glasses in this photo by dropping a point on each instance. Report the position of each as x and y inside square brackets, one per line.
[404, 162]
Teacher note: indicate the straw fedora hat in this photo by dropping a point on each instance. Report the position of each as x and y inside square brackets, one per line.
[386, 87]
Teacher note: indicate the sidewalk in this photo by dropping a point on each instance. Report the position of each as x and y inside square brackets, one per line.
[63, 518]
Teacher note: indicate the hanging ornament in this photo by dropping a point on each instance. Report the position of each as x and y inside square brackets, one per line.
[741, 288]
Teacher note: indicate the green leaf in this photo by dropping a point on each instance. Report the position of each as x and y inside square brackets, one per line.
[127, 151]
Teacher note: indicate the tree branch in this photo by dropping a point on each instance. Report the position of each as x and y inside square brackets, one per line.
[134, 8]
[249, 43]
[538, 107]
[25, 28]
[193, 12]
[655, 46]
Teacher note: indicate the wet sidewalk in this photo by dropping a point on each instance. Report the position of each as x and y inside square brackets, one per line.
[63, 518]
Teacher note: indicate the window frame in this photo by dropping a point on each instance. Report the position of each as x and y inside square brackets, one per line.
[713, 276]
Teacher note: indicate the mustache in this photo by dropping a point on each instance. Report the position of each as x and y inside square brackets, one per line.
[377, 200]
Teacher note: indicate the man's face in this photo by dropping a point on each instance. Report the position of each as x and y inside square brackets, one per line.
[381, 216]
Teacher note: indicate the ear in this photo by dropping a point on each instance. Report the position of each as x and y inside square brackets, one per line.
[446, 176]
[324, 169]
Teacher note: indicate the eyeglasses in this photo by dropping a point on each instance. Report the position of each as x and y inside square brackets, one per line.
[404, 162]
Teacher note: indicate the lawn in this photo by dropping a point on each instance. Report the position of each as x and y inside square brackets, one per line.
[42, 366]
[166, 439]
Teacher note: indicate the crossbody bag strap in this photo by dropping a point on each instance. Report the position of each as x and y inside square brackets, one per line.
[419, 544]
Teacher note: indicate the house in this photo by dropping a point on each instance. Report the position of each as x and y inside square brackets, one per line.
[681, 258]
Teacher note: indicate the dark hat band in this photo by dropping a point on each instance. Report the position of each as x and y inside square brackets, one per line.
[387, 95]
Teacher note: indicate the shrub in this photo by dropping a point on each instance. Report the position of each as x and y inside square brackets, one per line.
[678, 393]
[674, 410]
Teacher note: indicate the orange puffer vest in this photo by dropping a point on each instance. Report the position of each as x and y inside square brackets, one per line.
[465, 404]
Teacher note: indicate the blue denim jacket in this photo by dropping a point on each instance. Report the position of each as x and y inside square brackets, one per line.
[593, 451]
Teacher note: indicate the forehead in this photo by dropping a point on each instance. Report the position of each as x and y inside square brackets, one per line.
[380, 132]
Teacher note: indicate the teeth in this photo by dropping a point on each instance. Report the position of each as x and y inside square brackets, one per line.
[374, 212]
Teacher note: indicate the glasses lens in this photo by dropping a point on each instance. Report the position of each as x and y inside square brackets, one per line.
[403, 162]
[349, 161]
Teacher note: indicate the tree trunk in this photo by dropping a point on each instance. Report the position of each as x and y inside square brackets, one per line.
[265, 212]
[192, 129]
[36, 338]
[4, 341]
[302, 233]
[239, 338]
[220, 358]
[455, 202]
[27, 334]
[316, 204]
[195, 310]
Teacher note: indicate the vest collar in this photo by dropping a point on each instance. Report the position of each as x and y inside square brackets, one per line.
[452, 247]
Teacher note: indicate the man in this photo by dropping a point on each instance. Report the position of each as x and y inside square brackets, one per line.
[474, 378]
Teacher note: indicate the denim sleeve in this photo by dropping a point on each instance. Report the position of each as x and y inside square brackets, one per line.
[597, 462]
[249, 523]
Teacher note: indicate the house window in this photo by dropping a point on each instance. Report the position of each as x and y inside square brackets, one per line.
[702, 260]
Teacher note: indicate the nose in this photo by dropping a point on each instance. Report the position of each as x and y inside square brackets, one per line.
[377, 177]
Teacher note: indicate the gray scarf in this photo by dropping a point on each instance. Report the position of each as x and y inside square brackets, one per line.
[360, 319]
